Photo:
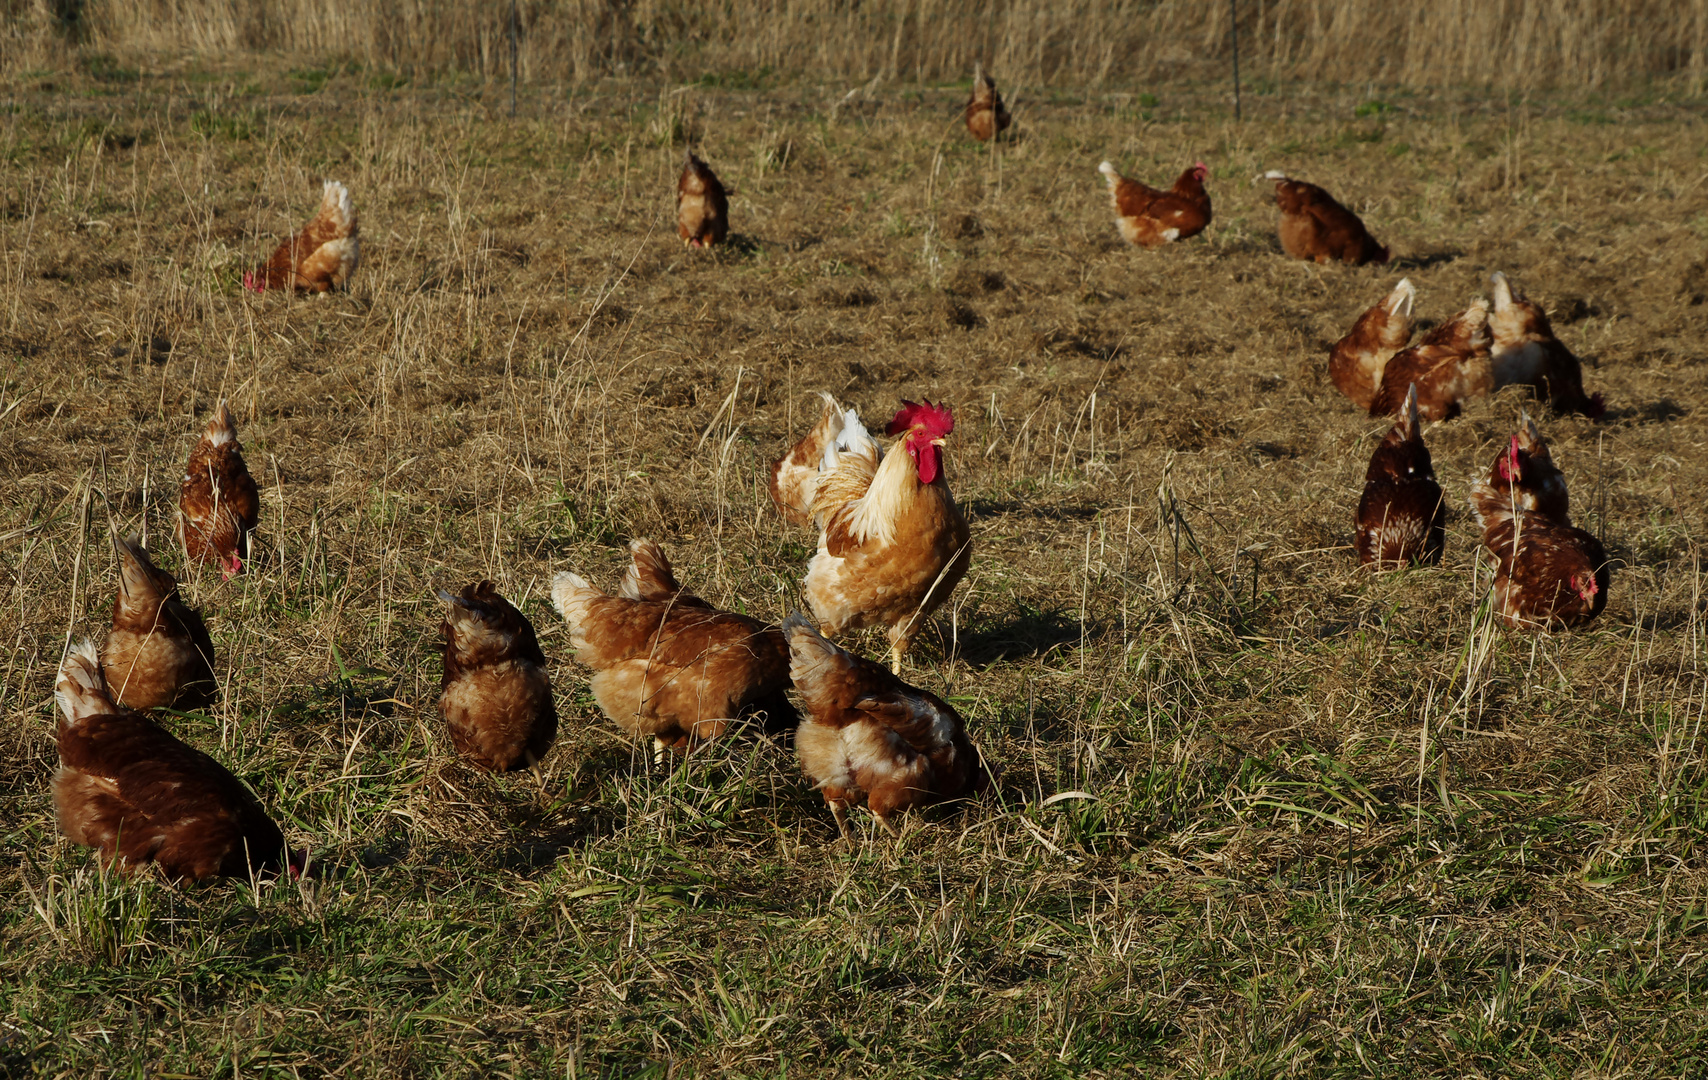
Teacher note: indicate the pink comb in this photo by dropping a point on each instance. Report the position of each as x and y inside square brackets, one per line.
[937, 420]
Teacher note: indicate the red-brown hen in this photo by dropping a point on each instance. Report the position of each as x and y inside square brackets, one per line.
[218, 505]
[322, 256]
[1151, 218]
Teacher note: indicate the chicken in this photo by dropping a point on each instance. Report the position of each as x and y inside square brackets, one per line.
[1525, 477]
[136, 794]
[1525, 352]
[218, 506]
[870, 733]
[1357, 360]
[1150, 218]
[495, 696]
[892, 543]
[321, 257]
[985, 114]
[159, 652]
[702, 207]
[1449, 366]
[667, 664]
[1547, 573]
[1401, 515]
[1317, 229]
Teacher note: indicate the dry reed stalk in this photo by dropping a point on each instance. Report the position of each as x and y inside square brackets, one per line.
[1511, 45]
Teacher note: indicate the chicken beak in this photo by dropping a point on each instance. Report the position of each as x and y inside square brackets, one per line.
[939, 442]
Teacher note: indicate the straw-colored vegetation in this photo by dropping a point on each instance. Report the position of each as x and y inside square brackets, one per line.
[1259, 814]
[1507, 44]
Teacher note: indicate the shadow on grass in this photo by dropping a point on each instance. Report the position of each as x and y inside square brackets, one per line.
[1424, 260]
[1663, 411]
[1030, 632]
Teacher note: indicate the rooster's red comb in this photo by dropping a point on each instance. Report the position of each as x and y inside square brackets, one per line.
[937, 420]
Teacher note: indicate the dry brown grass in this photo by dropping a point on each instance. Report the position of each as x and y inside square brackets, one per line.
[1329, 824]
[1512, 45]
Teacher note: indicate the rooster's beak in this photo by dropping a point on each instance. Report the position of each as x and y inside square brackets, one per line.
[939, 442]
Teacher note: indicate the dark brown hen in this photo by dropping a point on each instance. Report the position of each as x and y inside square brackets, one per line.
[1525, 478]
[1402, 517]
[138, 795]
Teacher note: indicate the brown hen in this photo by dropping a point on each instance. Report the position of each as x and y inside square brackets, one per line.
[1449, 367]
[1525, 352]
[319, 258]
[159, 652]
[1547, 573]
[702, 207]
[1150, 218]
[870, 734]
[218, 506]
[1357, 360]
[667, 664]
[495, 696]
[1316, 228]
[985, 114]
[1525, 477]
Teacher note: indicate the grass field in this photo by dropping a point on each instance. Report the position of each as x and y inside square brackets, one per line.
[1259, 814]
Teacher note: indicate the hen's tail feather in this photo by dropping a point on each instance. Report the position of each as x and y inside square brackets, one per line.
[571, 594]
[337, 207]
[221, 427]
[81, 690]
[136, 577]
[1403, 296]
[810, 654]
[649, 576]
